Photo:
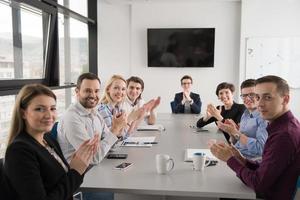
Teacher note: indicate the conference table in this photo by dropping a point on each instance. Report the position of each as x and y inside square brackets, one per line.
[141, 178]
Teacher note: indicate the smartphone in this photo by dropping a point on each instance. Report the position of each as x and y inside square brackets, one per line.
[212, 163]
[123, 165]
[117, 156]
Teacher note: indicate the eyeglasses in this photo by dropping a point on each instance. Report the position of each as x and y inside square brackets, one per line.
[250, 95]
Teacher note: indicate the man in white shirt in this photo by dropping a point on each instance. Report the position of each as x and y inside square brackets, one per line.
[82, 121]
[134, 100]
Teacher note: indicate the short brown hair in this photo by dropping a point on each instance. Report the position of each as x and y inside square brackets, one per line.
[225, 85]
[136, 80]
[89, 76]
[186, 77]
[281, 84]
[248, 83]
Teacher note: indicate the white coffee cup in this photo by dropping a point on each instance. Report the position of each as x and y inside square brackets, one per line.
[199, 161]
[164, 163]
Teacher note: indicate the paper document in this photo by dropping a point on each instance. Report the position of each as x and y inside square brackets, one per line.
[138, 142]
[190, 152]
[155, 127]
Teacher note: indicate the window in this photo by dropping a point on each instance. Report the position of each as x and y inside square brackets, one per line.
[6, 45]
[44, 41]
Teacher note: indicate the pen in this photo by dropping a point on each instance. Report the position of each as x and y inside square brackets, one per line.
[130, 143]
[150, 142]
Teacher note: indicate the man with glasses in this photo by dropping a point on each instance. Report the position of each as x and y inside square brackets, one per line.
[276, 175]
[251, 135]
[187, 101]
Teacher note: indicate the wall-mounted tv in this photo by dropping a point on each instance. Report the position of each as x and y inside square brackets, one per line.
[181, 47]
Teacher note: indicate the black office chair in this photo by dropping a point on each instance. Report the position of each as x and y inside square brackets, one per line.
[172, 103]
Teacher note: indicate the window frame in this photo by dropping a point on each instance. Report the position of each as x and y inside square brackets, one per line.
[11, 87]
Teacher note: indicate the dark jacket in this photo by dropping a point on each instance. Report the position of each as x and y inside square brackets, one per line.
[235, 113]
[34, 174]
[195, 107]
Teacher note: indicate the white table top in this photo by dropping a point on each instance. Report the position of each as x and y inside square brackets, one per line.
[142, 178]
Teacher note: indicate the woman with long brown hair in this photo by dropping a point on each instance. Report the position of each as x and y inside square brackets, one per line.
[34, 164]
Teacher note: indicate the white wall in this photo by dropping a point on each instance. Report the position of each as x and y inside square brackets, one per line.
[123, 50]
[270, 18]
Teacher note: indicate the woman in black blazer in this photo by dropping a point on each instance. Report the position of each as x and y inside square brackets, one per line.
[229, 109]
[34, 164]
[187, 101]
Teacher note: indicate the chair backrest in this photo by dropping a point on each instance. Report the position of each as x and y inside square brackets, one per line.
[172, 103]
[53, 132]
[297, 195]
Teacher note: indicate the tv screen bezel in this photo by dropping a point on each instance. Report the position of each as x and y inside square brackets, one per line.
[174, 29]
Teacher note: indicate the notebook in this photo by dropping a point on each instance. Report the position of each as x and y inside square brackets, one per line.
[138, 142]
[190, 152]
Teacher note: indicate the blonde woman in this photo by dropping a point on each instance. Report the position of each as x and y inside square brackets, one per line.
[111, 104]
[34, 164]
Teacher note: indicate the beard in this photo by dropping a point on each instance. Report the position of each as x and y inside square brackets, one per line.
[89, 102]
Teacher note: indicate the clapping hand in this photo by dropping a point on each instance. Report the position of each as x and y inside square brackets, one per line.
[156, 103]
[119, 122]
[227, 127]
[222, 151]
[82, 158]
[215, 112]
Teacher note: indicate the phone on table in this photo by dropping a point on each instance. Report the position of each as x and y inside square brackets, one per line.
[212, 162]
[117, 156]
[123, 165]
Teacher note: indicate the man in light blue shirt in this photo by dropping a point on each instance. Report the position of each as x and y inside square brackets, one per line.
[251, 135]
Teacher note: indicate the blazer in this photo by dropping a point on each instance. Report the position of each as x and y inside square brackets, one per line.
[195, 107]
[34, 174]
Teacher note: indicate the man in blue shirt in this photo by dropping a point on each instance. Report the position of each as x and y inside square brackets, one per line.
[252, 134]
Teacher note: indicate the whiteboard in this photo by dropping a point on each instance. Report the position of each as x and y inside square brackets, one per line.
[278, 56]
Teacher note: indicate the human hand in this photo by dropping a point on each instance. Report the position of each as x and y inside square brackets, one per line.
[230, 121]
[147, 106]
[156, 103]
[119, 122]
[222, 151]
[228, 128]
[215, 112]
[238, 154]
[81, 159]
[187, 94]
[137, 114]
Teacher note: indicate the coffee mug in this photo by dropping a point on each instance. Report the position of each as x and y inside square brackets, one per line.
[199, 160]
[164, 163]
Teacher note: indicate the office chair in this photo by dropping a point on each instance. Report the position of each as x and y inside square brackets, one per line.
[172, 103]
[53, 132]
[78, 196]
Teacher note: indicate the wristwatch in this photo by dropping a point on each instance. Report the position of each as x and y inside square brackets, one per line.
[237, 136]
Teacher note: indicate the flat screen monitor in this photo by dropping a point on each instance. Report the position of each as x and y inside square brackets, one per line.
[181, 47]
